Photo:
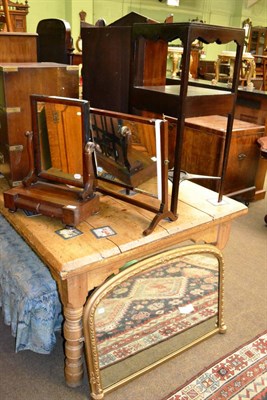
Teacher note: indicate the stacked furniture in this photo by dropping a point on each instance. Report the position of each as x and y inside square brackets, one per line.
[136, 81]
[21, 74]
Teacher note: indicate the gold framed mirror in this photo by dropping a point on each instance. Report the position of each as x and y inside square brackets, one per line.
[151, 311]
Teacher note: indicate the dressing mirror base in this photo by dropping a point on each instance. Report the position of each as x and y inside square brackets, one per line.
[158, 217]
[52, 201]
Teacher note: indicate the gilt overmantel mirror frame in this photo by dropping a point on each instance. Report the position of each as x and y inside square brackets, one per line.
[190, 322]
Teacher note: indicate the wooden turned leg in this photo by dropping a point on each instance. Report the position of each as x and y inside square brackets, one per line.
[73, 334]
[223, 235]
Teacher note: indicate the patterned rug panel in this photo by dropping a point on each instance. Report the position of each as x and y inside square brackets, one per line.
[154, 306]
[241, 375]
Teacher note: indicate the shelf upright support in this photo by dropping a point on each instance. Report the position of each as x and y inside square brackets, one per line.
[181, 112]
[231, 115]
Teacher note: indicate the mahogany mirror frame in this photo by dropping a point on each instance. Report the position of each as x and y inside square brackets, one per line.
[89, 181]
[109, 187]
[36, 170]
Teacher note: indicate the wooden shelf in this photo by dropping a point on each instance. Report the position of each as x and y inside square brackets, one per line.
[198, 100]
[148, 91]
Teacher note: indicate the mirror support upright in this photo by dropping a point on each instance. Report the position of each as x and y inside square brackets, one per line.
[31, 177]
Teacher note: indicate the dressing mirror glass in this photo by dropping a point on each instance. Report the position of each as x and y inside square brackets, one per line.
[151, 311]
[131, 160]
[128, 151]
[62, 127]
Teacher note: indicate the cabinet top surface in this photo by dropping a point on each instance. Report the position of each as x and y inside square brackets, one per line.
[217, 123]
[17, 34]
[27, 65]
[190, 25]
[209, 33]
[170, 31]
[192, 90]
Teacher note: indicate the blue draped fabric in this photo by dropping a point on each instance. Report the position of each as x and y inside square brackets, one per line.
[28, 294]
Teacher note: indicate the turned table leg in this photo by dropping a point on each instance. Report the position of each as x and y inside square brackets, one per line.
[73, 334]
[223, 234]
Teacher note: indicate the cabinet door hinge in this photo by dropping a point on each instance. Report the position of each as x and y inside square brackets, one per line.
[12, 110]
[16, 147]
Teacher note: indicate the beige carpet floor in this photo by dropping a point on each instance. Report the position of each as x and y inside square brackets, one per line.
[28, 375]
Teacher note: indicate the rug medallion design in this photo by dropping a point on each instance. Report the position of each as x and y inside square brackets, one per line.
[154, 306]
[241, 375]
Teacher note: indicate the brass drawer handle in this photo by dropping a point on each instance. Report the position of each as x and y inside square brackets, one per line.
[241, 156]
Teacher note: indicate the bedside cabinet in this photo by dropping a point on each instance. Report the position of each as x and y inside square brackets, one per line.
[204, 138]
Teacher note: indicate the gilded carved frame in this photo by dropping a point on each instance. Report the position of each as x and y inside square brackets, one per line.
[91, 351]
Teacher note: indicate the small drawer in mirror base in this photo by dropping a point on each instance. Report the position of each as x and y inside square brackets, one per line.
[55, 202]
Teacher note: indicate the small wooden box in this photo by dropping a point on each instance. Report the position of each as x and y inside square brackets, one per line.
[17, 82]
[18, 47]
[204, 139]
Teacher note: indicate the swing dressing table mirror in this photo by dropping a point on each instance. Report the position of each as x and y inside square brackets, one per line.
[131, 160]
[76, 152]
[60, 182]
